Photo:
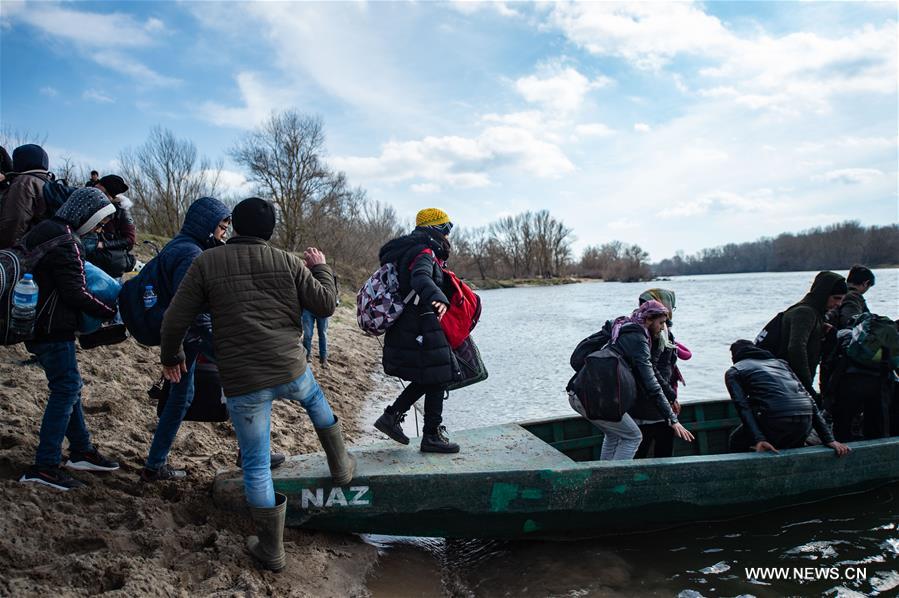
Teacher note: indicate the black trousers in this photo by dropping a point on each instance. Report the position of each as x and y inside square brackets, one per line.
[860, 393]
[433, 403]
[782, 432]
[659, 437]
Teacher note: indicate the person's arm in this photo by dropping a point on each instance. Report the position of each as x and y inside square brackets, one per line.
[636, 347]
[67, 266]
[125, 231]
[315, 285]
[733, 382]
[188, 302]
[847, 311]
[422, 279]
[801, 327]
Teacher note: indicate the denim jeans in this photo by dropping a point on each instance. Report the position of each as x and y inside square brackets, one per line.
[63, 416]
[309, 322]
[181, 395]
[620, 439]
[251, 416]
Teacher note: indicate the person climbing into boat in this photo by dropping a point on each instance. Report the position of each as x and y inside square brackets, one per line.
[775, 409]
[415, 347]
[860, 280]
[255, 293]
[658, 436]
[801, 331]
[631, 336]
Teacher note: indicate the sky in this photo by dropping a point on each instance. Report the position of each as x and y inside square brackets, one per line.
[676, 126]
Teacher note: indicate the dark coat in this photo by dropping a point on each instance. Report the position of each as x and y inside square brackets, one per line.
[23, 206]
[62, 287]
[118, 237]
[196, 235]
[255, 294]
[853, 304]
[763, 386]
[802, 330]
[415, 346]
[663, 362]
[633, 342]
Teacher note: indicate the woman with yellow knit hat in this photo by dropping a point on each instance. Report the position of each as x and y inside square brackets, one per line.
[415, 346]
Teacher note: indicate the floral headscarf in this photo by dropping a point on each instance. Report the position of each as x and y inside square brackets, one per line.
[647, 311]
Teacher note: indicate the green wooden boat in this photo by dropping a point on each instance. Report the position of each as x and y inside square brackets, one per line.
[542, 478]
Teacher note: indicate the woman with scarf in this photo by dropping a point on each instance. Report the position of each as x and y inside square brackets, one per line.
[658, 436]
[415, 346]
[632, 334]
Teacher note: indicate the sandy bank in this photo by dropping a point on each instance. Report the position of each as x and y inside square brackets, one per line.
[164, 539]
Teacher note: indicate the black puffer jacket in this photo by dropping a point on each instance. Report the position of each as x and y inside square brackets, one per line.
[763, 386]
[415, 346]
[651, 400]
[62, 287]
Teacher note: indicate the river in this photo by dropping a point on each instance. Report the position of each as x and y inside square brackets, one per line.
[526, 336]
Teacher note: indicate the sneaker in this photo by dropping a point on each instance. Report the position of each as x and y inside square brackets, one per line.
[324, 363]
[438, 443]
[391, 424]
[165, 473]
[55, 477]
[90, 461]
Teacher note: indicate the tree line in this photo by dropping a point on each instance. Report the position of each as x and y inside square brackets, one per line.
[837, 246]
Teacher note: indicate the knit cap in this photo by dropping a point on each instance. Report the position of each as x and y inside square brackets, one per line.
[114, 184]
[431, 217]
[254, 217]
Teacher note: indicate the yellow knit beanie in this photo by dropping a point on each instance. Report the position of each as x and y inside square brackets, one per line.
[431, 217]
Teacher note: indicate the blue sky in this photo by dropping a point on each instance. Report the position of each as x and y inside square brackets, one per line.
[674, 126]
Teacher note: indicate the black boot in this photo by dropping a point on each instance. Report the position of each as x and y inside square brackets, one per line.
[390, 423]
[438, 443]
[276, 460]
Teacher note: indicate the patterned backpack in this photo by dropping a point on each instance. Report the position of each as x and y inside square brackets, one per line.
[378, 302]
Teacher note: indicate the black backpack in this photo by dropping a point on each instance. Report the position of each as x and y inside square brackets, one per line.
[594, 342]
[769, 336]
[56, 193]
[604, 382]
[15, 262]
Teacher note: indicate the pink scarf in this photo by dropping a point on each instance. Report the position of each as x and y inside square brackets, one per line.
[648, 310]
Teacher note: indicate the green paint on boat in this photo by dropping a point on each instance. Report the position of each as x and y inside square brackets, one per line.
[620, 489]
[530, 526]
[501, 495]
[532, 493]
[641, 477]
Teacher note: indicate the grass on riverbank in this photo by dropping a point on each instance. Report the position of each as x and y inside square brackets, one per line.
[511, 283]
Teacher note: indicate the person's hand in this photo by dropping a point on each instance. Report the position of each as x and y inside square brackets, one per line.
[681, 432]
[764, 446]
[675, 406]
[839, 448]
[99, 244]
[440, 308]
[172, 373]
[313, 257]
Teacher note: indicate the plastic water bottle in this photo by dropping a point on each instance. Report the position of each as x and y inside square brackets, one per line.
[24, 307]
[149, 297]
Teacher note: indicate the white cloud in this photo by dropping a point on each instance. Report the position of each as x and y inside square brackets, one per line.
[851, 176]
[726, 202]
[259, 100]
[92, 95]
[50, 92]
[124, 64]
[562, 91]
[232, 183]
[642, 128]
[593, 130]
[459, 161]
[425, 188]
[470, 7]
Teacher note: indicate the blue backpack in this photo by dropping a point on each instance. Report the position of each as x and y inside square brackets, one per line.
[145, 325]
[56, 193]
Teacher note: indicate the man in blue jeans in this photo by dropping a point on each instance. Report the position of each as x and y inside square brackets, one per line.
[62, 295]
[310, 321]
[254, 293]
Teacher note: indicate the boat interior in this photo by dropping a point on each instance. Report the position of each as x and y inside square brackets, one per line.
[711, 422]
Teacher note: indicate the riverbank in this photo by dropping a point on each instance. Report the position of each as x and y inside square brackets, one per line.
[167, 538]
[513, 283]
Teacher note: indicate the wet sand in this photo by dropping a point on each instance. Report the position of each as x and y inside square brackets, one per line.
[164, 539]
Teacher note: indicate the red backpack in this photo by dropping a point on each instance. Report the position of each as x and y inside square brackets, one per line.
[463, 313]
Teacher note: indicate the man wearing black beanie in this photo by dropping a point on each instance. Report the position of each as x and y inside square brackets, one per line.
[111, 249]
[255, 294]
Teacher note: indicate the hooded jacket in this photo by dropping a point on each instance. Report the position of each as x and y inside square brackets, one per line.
[853, 304]
[415, 346]
[255, 295]
[763, 386]
[802, 329]
[23, 205]
[196, 236]
[62, 286]
[652, 402]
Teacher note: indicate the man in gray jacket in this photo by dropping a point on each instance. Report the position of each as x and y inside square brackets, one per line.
[255, 295]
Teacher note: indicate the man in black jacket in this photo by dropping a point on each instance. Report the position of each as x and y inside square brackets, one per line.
[776, 411]
[62, 295]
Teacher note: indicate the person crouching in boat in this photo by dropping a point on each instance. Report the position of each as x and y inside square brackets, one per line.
[658, 436]
[776, 410]
[631, 336]
[416, 348]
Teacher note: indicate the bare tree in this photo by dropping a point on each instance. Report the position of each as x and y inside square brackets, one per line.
[284, 157]
[165, 175]
[12, 137]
